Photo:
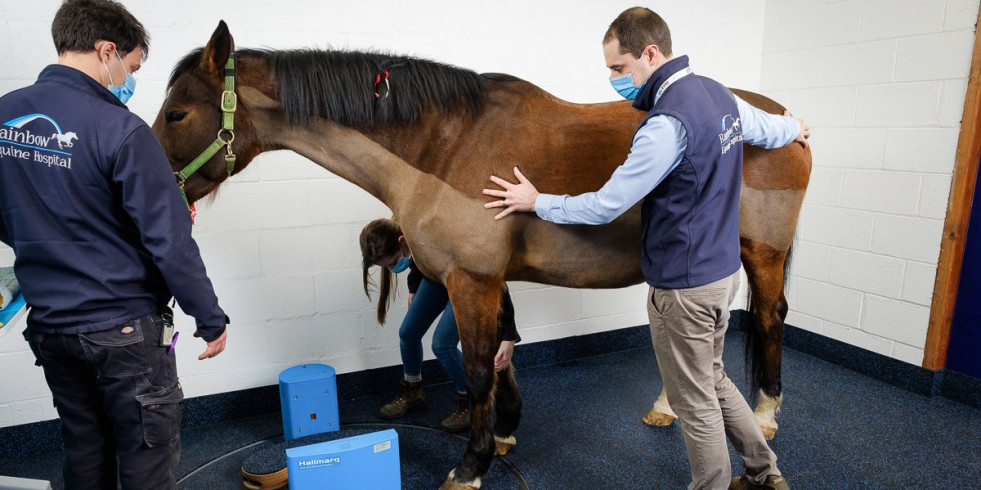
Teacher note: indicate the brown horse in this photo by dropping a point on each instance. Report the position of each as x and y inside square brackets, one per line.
[423, 138]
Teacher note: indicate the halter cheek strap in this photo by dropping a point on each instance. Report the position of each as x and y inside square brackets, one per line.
[226, 135]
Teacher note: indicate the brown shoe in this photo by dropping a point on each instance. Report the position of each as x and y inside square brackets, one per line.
[460, 419]
[772, 482]
[410, 397]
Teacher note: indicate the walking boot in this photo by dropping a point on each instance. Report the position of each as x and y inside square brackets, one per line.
[410, 397]
[772, 482]
[460, 419]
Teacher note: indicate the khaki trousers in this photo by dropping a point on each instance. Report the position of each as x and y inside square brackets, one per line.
[688, 327]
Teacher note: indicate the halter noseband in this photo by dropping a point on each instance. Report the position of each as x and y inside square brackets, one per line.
[229, 102]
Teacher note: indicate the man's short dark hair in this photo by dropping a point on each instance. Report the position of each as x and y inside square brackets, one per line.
[80, 23]
[637, 28]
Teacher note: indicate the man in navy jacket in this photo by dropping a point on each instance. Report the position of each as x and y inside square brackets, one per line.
[685, 164]
[102, 241]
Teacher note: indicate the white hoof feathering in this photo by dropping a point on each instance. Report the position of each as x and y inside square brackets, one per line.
[506, 440]
[660, 415]
[503, 445]
[766, 413]
[475, 483]
[662, 406]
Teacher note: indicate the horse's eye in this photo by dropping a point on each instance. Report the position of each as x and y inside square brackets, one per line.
[176, 116]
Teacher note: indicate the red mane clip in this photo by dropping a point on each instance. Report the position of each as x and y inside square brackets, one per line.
[378, 79]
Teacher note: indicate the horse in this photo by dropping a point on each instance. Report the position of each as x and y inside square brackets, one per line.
[423, 137]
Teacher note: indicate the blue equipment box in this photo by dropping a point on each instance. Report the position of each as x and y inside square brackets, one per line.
[308, 397]
[359, 462]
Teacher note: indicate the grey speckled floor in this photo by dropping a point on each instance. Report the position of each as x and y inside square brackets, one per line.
[581, 429]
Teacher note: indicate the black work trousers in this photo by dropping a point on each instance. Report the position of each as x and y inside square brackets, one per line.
[117, 394]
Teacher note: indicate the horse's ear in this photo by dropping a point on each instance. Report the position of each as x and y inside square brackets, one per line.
[216, 52]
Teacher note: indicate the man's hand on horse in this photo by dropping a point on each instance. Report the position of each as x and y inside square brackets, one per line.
[805, 130]
[514, 197]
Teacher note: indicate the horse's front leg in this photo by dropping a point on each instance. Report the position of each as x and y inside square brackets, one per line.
[508, 411]
[475, 303]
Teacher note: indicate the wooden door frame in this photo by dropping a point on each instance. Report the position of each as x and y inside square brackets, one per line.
[958, 217]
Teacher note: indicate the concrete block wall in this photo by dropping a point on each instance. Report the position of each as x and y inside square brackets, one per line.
[280, 239]
[882, 83]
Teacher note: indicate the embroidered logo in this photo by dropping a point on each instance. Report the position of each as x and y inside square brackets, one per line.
[127, 330]
[731, 134]
[22, 138]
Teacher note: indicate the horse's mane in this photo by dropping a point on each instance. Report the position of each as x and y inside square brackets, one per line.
[339, 85]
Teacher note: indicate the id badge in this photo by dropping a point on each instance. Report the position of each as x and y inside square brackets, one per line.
[167, 332]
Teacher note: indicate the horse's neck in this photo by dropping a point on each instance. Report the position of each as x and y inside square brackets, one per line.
[355, 158]
[424, 143]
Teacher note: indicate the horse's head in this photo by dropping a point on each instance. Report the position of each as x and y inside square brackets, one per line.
[191, 118]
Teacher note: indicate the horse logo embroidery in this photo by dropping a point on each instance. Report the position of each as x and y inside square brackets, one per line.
[65, 140]
[731, 133]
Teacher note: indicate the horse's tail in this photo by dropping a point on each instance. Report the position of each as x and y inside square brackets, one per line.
[754, 342]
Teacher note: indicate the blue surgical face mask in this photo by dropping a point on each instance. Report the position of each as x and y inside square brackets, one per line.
[401, 265]
[624, 84]
[125, 91]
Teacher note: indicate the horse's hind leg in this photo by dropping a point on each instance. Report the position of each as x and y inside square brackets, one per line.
[660, 415]
[508, 411]
[768, 309]
[476, 302]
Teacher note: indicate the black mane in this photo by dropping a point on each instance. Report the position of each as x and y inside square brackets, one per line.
[339, 85]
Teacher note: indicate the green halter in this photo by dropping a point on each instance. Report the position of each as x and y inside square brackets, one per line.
[229, 102]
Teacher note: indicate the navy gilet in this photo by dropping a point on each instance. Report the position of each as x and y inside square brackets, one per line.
[691, 219]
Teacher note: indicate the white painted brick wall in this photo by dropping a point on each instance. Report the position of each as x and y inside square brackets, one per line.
[867, 272]
[907, 238]
[872, 62]
[952, 95]
[921, 149]
[900, 18]
[885, 110]
[934, 194]
[848, 148]
[898, 104]
[812, 260]
[918, 58]
[837, 227]
[918, 283]
[872, 190]
[828, 302]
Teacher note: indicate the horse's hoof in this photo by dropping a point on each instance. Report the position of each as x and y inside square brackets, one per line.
[452, 485]
[503, 446]
[449, 484]
[658, 419]
[769, 433]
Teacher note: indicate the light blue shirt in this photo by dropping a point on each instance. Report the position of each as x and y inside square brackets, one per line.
[657, 149]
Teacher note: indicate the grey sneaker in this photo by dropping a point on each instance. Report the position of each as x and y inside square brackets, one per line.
[410, 397]
[772, 482]
[460, 419]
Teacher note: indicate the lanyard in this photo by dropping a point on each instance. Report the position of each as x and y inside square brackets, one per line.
[667, 83]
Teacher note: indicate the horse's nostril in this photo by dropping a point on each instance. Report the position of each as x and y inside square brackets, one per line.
[176, 116]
